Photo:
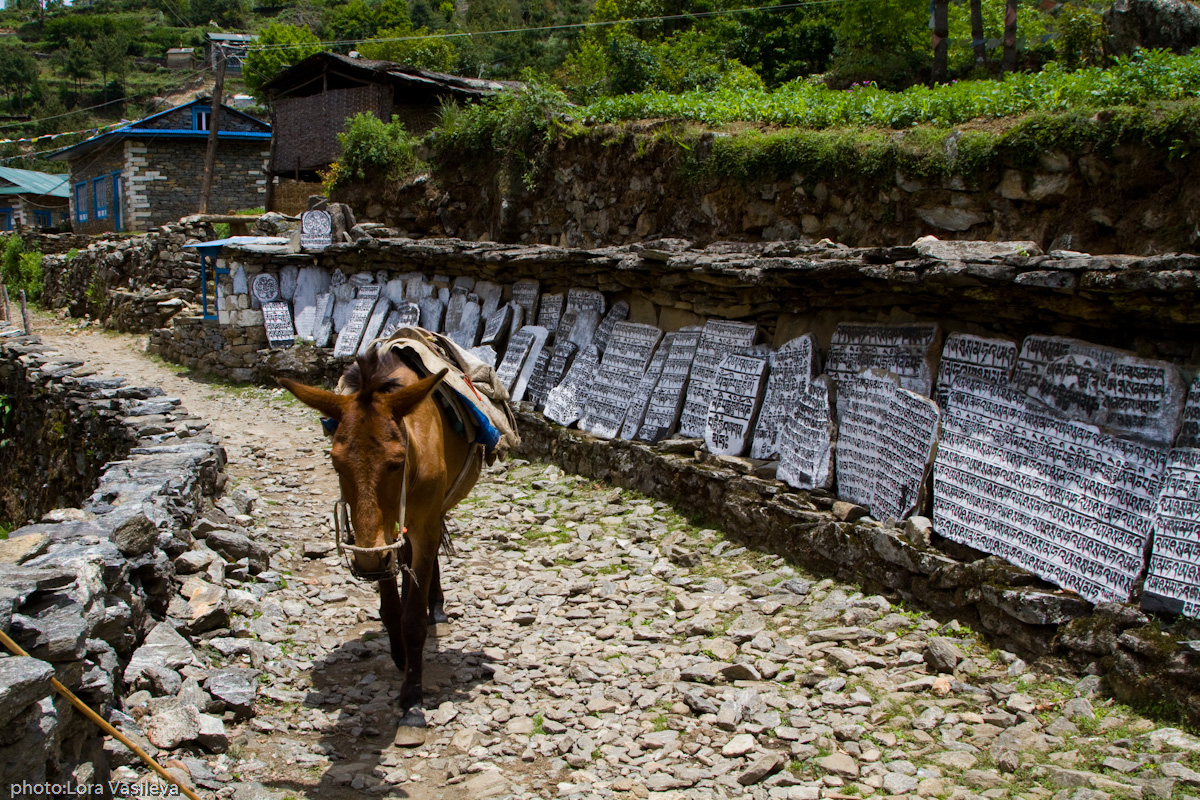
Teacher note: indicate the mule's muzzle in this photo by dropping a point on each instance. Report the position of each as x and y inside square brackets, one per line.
[388, 554]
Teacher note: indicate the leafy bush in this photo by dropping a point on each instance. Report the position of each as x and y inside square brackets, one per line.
[1145, 77]
[20, 269]
[291, 44]
[372, 148]
[1080, 36]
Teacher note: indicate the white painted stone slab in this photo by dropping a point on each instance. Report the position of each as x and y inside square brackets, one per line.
[556, 369]
[310, 282]
[514, 360]
[550, 312]
[288, 275]
[525, 294]
[466, 335]
[432, 311]
[564, 402]
[277, 319]
[521, 385]
[323, 329]
[265, 288]
[737, 393]
[490, 294]
[1050, 494]
[807, 436]
[618, 313]
[666, 401]
[641, 395]
[908, 350]
[718, 339]
[886, 436]
[496, 329]
[631, 345]
[351, 334]
[1189, 427]
[792, 367]
[316, 230]
[967, 355]
[1173, 580]
[379, 316]
[485, 354]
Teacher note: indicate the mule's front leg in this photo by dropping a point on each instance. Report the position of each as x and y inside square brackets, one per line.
[391, 612]
[415, 623]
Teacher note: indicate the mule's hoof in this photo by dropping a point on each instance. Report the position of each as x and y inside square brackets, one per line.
[439, 630]
[407, 736]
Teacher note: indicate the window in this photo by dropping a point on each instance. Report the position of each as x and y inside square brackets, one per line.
[81, 204]
[42, 218]
[5, 219]
[99, 198]
[200, 118]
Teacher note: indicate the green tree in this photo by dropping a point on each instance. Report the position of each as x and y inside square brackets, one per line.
[278, 46]
[359, 20]
[415, 49]
[18, 73]
[111, 56]
[886, 41]
[225, 13]
[75, 61]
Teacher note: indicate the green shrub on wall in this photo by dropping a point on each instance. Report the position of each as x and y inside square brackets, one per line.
[372, 149]
[21, 270]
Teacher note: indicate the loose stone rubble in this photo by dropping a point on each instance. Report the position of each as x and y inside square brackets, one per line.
[600, 646]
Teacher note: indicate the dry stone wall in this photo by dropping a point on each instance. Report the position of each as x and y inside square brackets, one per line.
[619, 185]
[92, 589]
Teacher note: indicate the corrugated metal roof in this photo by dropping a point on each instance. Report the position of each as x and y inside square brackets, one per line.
[34, 182]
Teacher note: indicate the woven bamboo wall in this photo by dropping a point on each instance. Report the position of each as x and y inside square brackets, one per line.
[306, 128]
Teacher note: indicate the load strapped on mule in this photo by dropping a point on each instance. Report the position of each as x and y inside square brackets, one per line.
[413, 422]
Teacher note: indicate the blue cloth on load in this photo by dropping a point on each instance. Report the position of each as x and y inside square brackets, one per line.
[486, 433]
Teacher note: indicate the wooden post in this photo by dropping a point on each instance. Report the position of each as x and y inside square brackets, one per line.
[7, 308]
[214, 115]
[941, 32]
[1009, 64]
[25, 315]
[269, 203]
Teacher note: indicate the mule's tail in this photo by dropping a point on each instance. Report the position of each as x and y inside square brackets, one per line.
[447, 546]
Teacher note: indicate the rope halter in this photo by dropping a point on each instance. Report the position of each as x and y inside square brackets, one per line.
[389, 554]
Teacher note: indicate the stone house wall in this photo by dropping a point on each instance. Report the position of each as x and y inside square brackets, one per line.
[165, 176]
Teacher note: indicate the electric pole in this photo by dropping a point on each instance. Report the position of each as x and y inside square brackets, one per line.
[214, 115]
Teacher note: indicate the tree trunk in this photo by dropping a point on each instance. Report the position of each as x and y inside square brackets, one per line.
[941, 31]
[977, 40]
[1010, 36]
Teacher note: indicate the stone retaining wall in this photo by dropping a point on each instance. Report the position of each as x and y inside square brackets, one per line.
[132, 283]
[613, 185]
[91, 592]
[1140, 662]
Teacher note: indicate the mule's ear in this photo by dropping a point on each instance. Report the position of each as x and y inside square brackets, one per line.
[328, 403]
[404, 399]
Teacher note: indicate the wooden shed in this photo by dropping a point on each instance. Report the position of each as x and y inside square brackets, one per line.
[314, 98]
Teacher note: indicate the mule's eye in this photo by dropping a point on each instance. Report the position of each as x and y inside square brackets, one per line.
[395, 466]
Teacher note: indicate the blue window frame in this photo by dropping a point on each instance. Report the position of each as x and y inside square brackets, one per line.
[81, 203]
[42, 218]
[5, 219]
[99, 198]
[200, 116]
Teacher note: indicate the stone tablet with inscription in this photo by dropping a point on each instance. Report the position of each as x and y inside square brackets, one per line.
[432, 310]
[521, 384]
[1189, 428]
[564, 402]
[1173, 580]
[583, 327]
[351, 334]
[405, 315]
[464, 282]
[485, 354]
[885, 440]
[556, 368]
[641, 395]
[585, 300]
[965, 354]
[909, 351]
[806, 438]
[265, 287]
[379, 316]
[666, 401]
[550, 312]
[316, 230]
[718, 339]
[792, 367]
[324, 320]
[537, 378]
[630, 348]
[454, 310]
[240, 284]
[737, 392]
[277, 318]
[525, 294]
[519, 349]
[618, 313]
[1045, 492]
[1104, 386]
[466, 335]
[495, 330]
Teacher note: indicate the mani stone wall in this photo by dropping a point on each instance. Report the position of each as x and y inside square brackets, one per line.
[1071, 440]
[84, 587]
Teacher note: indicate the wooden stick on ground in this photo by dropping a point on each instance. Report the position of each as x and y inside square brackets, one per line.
[83, 708]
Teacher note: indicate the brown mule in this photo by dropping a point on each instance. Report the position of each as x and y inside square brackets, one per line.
[392, 441]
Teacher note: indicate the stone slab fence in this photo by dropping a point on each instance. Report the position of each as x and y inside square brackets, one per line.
[119, 479]
[1124, 312]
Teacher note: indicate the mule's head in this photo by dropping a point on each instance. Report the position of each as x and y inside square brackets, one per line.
[371, 451]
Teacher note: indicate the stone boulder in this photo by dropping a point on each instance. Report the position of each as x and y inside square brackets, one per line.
[1162, 24]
